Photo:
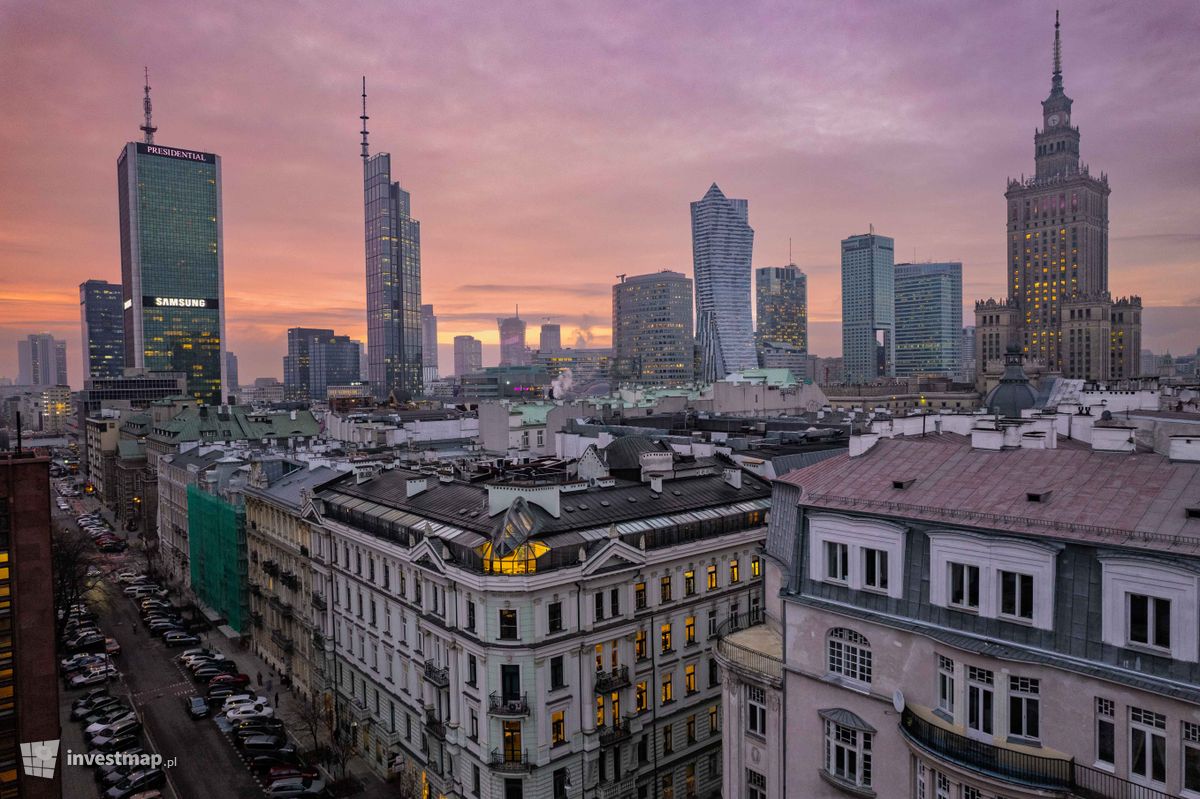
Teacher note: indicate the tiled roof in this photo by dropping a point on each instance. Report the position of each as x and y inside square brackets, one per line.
[1136, 499]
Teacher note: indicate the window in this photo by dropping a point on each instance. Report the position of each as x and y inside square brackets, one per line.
[474, 725]
[668, 786]
[756, 567]
[600, 711]
[1147, 746]
[668, 691]
[714, 676]
[643, 749]
[560, 779]
[639, 645]
[979, 700]
[1106, 732]
[665, 634]
[689, 582]
[943, 786]
[964, 586]
[615, 602]
[640, 699]
[713, 723]
[599, 657]
[558, 728]
[472, 670]
[689, 630]
[598, 606]
[734, 573]
[875, 569]
[639, 596]
[712, 578]
[837, 561]
[712, 623]
[849, 654]
[554, 619]
[1016, 595]
[691, 729]
[508, 625]
[664, 589]
[668, 739]
[848, 754]
[556, 672]
[756, 710]
[475, 780]
[1149, 621]
[471, 616]
[946, 685]
[689, 678]
[1023, 707]
[971, 792]
[756, 785]
[1191, 756]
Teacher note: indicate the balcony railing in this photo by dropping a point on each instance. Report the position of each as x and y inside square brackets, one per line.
[255, 589]
[614, 733]
[738, 652]
[256, 619]
[318, 640]
[285, 642]
[438, 675]
[499, 705]
[510, 761]
[271, 567]
[319, 602]
[435, 726]
[284, 608]
[1049, 773]
[612, 680]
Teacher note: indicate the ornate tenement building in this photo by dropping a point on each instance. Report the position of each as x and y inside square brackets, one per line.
[1062, 314]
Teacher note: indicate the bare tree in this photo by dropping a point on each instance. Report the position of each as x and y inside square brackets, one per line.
[74, 569]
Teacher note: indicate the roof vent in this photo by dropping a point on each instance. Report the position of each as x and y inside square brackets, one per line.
[604, 503]
[1038, 496]
[1192, 513]
[902, 484]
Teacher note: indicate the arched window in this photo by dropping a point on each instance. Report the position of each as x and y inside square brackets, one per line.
[849, 654]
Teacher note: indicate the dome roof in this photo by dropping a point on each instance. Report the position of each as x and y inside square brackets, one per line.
[1013, 394]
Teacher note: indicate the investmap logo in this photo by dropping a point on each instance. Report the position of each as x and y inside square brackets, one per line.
[39, 758]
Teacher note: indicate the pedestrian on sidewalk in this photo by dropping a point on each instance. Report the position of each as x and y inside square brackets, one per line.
[260, 679]
[276, 699]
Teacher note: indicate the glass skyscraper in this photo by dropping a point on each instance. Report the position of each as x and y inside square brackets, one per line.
[722, 242]
[393, 241]
[318, 359]
[652, 329]
[868, 308]
[103, 323]
[929, 331]
[172, 264]
[782, 297]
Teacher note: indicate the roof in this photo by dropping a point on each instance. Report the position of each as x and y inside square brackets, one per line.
[287, 490]
[625, 452]
[1130, 499]
[130, 449]
[234, 423]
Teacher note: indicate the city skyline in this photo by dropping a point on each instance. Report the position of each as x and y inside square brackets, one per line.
[788, 153]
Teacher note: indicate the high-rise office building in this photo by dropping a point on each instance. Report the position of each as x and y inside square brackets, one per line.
[42, 361]
[317, 359]
[29, 679]
[103, 333]
[966, 372]
[652, 329]
[722, 245]
[173, 261]
[393, 246]
[781, 293]
[512, 341]
[868, 308]
[1063, 318]
[929, 329]
[550, 339]
[231, 372]
[429, 345]
[468, 355]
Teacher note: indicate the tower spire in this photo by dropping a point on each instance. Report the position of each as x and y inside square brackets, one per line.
[1056, 82]
[364, 118]
[148, 128]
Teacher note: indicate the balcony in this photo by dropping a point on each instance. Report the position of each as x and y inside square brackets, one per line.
[435, 726]
[612, 680]
[255, 588]
[615, 733]
[997, 762]
[319, 602]
[511, 762]
[284, 609]
[512, 706]
[271, 567]
[290, 580]
[256, 619]
[318, 640]
[752, 644]
[438, 675]
[284, 642]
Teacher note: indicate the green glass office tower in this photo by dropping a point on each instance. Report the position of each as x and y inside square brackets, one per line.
[172, 263]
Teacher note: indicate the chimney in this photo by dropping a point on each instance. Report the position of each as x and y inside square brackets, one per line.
[733, 477]
[1112, 438]
[656, 483]
[859, 444]
[1184, 449]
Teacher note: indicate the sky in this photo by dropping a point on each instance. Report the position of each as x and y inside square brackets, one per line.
[550, 146]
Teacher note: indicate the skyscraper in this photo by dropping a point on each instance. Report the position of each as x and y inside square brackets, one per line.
[781, 293]
[429, 345]
[393, 246]
[929, 328]
[722, 244]
[512, 341]
[468, 355]
[1057, 254]
[103, 334]
[550, 339]
[42, 361]
[173, 261]
[868, 308]
[317, 359]
[652, 329]
[231, 372]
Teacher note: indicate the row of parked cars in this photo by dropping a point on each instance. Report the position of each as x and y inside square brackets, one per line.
[101, 534]
[260, 737]
[159, 615]
[110, 726]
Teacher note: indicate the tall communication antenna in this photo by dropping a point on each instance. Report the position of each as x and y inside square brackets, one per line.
[148, 128]
[364, 118]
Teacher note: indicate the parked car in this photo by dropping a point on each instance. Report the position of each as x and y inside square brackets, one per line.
[262, 743]
[297, 786]
[262, 764]
[206, 673]
[137, 782]
[251, 726]
[109, 714]
[197, 707]
[254, 711]
[128, 577]
[123, 768]
[119, 743]
[179, 638]
[128, 722]
[243, 698]
[277, 773]
[79, 661]
[236, 680]
[89, 697]
[94, 677]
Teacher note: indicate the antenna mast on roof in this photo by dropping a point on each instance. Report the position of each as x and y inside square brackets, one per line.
[148, 128]
[364, 118]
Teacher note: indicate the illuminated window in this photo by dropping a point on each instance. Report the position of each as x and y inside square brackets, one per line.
[756, 567]
[689, 630]
[639, 596]
[668, 691]
[689, 582]
[734, 572]
[712, 577]
[664, 590]
[640, 700]
[639, 645]
[558, 728]
[665, 634]
[689, 678]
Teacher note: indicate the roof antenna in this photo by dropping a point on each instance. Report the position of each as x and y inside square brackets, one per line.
[1056, 79]
[790, 261]
[148, 128]
[364, 118]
